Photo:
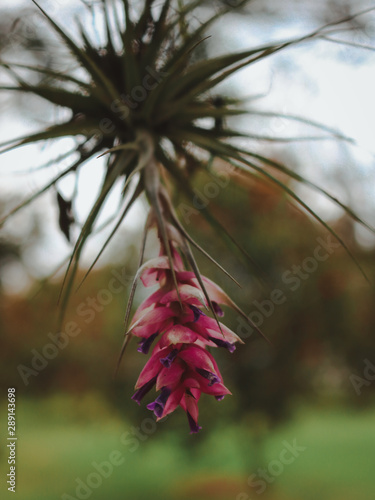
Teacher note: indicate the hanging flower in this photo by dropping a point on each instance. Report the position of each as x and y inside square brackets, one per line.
[180, 366]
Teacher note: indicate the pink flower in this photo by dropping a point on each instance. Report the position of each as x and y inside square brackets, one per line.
[180, 366]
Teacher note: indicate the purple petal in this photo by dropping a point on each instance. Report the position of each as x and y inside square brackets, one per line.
[194, 427]
[218, 310]
[219, 398]
[145, 344]
[197, 313]
[138, 395]
[157, 406]
[223, 343]
[168, 360]
[211, 377]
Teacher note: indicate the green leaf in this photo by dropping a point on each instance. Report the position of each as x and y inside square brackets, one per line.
[53, 162]
[78, 127]
[348, 43]
[202, 70]
[135, 280]
[110, 44]
[199, 82]
[188, 238]
[190, 257]
[159, 37]
[144, 18]
[130, 64]
[283, 168]
[203, 110]
[128, 206]
[78, 103]
[180, 55]
[48, 72]
[221, 231]
[90, 66]
[300, 119]
[38, 193]
[293, 195]
[230, 153]
[119, 166]
[193, 39]
[151, 184]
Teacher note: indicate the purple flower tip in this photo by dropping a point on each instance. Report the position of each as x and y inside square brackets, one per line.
[194, 427]
[139, 395]
[223, 343]
[157, 406]
[211, 377]
[168, 360]
[197, 313]
[219, 398]
[218, 310]
[145, 344]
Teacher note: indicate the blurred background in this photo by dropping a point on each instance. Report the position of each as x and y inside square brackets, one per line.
[300, 423]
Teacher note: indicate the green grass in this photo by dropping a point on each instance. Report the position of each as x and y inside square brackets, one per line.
[58, 442]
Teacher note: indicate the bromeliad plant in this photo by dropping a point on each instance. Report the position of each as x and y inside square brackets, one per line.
[144, 100]
[180, 365]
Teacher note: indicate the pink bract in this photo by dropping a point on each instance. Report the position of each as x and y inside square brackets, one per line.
[180, 366]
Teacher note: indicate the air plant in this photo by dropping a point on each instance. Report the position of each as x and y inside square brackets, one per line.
[139, 99]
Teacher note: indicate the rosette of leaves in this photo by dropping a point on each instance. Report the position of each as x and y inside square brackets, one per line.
[154, 139]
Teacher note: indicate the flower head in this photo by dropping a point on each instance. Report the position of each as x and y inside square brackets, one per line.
[180, 366]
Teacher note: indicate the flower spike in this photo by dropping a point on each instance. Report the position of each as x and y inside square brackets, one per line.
[180, 365]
